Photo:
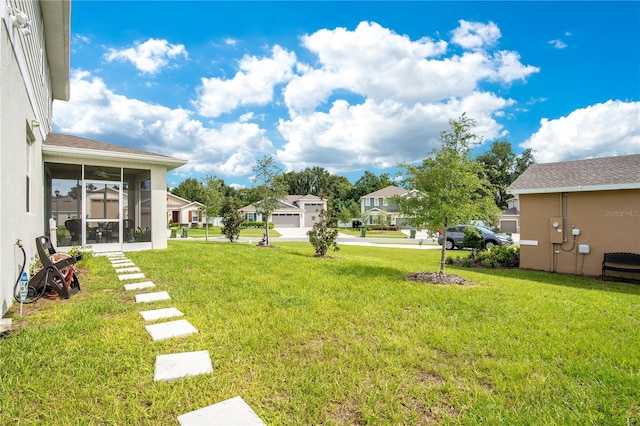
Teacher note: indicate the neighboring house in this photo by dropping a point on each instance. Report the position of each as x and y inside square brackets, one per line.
[509, 222]
[573, 212]
[180, 210]
[296, 211]
[380, 202]
[38, 167]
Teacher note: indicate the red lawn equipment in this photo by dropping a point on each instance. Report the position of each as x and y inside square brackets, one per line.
[57, 276]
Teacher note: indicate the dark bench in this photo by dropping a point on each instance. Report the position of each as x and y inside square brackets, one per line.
[621, 262]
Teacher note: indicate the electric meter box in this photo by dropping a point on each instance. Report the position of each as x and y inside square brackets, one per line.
[584, 249]
[555, 230]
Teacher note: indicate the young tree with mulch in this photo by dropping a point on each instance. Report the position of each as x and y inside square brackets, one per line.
[452, 186]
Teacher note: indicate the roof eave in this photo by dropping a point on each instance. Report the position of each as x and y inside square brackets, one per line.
[59, 151]
[611, 187]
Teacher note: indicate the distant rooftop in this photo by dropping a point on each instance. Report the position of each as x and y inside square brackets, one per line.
[389, 191]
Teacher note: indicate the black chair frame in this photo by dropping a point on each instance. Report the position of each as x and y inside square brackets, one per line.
[50, 274]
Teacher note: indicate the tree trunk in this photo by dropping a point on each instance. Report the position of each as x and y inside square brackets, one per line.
[443, 251]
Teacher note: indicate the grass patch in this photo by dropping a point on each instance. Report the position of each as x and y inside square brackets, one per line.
[215, 231]
[343, 340]
[373, 233]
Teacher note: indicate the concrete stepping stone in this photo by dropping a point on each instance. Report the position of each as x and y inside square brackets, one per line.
[234, 411]
[109, 253]
[168, 330]
[121, 262]
[174, 366]
[139, 286]
[157, 314]
[131, 269]
[152, 297]
[124, 277]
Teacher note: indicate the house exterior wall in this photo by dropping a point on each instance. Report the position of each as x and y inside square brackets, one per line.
[609, 221]
[158, 206]
[20, 103]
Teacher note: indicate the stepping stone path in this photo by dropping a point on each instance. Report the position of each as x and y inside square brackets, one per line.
[234, 411]
[152, 297]
[167, 330]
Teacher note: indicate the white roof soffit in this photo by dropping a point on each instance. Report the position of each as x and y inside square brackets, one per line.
[59, 151]
[612, 187]
[56, 16]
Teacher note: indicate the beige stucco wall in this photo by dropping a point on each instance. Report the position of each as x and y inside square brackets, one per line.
[609, 221]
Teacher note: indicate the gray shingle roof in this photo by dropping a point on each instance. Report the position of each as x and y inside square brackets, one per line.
[69, 141]
[621, 172]
[389, 191]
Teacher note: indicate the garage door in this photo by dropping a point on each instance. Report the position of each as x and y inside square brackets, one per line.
[289, 220]
[311, 211]
[508, 226]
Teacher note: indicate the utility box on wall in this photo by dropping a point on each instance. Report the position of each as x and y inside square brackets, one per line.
[555, 230]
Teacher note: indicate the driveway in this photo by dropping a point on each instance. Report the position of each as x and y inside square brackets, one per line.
[293, 232]
[300, 234]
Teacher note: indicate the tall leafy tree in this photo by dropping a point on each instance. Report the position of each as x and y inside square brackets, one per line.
[502, 166]
[369, 183]
[190, 189]
[272, 188]
[452, 184]
[212, 199]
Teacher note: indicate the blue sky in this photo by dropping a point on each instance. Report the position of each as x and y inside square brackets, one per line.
[351, 86]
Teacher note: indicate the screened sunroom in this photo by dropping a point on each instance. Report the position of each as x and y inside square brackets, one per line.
[104, 196]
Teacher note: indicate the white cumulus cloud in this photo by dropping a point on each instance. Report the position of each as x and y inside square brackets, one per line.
[253, 84]
[475, 35]
[351, 137]
[375, 97]
[97, 112]
[607, 129]
[150, 56]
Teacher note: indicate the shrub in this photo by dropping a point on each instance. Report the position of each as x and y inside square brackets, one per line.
[449, 260]
[232, 220]
[473, 238]
[498, 256]
[489, 262]
[322, 236]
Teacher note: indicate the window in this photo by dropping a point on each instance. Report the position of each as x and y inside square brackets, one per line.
[29, 155]
[250, 217]
[385, 202]
[373, 200]
[194, 216]
[366, 202]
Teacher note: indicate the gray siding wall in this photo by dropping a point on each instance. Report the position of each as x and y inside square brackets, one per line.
[25, 95]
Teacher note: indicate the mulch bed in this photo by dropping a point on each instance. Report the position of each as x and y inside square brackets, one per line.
[438, 278]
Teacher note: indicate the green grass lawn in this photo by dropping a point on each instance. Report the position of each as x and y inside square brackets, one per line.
[341, 340]
[216, 232]
[373, 233]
